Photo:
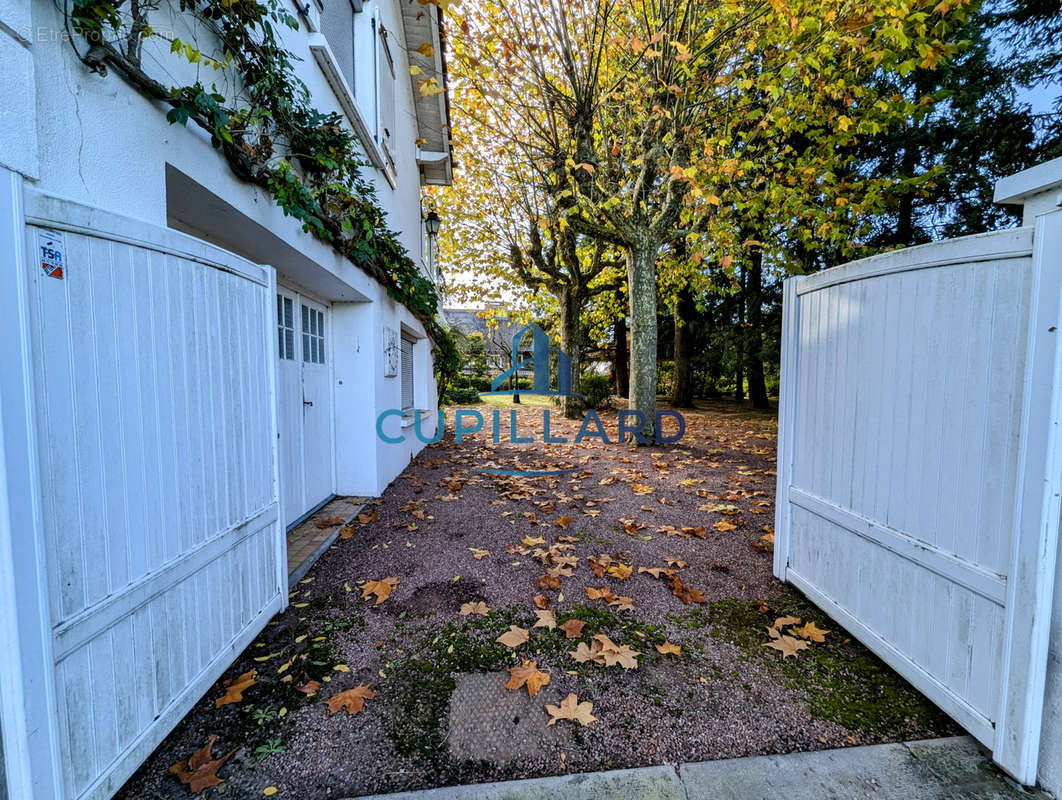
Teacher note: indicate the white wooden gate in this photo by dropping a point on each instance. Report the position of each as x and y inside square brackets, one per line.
[152, 358]
[919, 467]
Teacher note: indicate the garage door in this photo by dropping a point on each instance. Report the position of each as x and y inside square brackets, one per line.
[154, 369]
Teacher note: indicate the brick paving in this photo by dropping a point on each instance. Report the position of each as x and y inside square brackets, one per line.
[312, 536]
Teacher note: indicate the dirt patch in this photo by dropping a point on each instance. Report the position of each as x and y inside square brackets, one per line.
[705, 503]
[442, 597]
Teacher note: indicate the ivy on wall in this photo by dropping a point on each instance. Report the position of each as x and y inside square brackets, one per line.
[269, 132]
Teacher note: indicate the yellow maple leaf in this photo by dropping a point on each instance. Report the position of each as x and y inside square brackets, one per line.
[571, 709]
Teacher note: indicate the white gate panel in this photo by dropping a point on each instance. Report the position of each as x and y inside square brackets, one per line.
[906, 426]
[154, 370]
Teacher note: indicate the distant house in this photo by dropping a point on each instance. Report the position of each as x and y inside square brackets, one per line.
[496, 330]
[184, 372]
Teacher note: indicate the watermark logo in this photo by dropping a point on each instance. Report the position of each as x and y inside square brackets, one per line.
[539, 362]
[467, 421]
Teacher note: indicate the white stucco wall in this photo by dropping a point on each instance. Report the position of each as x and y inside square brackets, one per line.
[104, 144]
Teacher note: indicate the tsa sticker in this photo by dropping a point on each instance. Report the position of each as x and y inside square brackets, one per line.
[51, 247]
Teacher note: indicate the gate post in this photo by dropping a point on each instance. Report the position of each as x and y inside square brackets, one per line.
[27, 691]
[787, 394]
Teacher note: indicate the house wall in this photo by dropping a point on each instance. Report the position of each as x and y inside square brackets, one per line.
[110, 147]
[102, 144]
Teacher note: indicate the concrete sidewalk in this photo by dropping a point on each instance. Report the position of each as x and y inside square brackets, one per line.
[939, 769]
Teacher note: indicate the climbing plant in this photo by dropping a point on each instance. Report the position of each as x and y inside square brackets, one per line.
[266, 127]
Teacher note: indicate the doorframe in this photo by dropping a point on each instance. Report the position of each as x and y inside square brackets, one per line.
[301, 293]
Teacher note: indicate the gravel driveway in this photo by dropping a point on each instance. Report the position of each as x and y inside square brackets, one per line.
[698, 514]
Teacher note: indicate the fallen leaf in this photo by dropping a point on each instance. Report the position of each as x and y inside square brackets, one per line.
[469, 609]
[605, 652]
[541, 601]
[309, 687]
[527, 674]
[787, 645]
[667, 647]
[656, 572]
[811, 631]
[571, 709]
[604, 593]
[382, 589]
[328, 522]
[236, 688]
[514, 637]
[724, 525]
[685, 593]
[573, 628]
[582, 653]
[531, 541]
[563, 522]
[478, 554]
[201, 770]
[614, 654]
[546, 619]
[548, 582]
[783, 622]
[618, 571]
[353, 700]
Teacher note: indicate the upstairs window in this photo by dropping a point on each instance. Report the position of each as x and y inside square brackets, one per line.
[337, 25]
[385, 92]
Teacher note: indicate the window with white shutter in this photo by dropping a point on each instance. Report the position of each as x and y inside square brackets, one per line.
[385, 67]
[407, 373]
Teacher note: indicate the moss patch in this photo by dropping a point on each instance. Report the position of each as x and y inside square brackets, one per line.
[842, 681]
[422, 682]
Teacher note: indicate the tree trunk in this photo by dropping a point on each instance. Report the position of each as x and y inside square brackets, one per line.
[621, 361]
[685, 310]
[641, 283]
[739, 362]
[754, 331]
[570, 343]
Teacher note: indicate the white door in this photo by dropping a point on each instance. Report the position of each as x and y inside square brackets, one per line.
[316, 406]
[305, 404]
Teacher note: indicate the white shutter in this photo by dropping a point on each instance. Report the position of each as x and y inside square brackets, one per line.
[407, 373]
[385, 67]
